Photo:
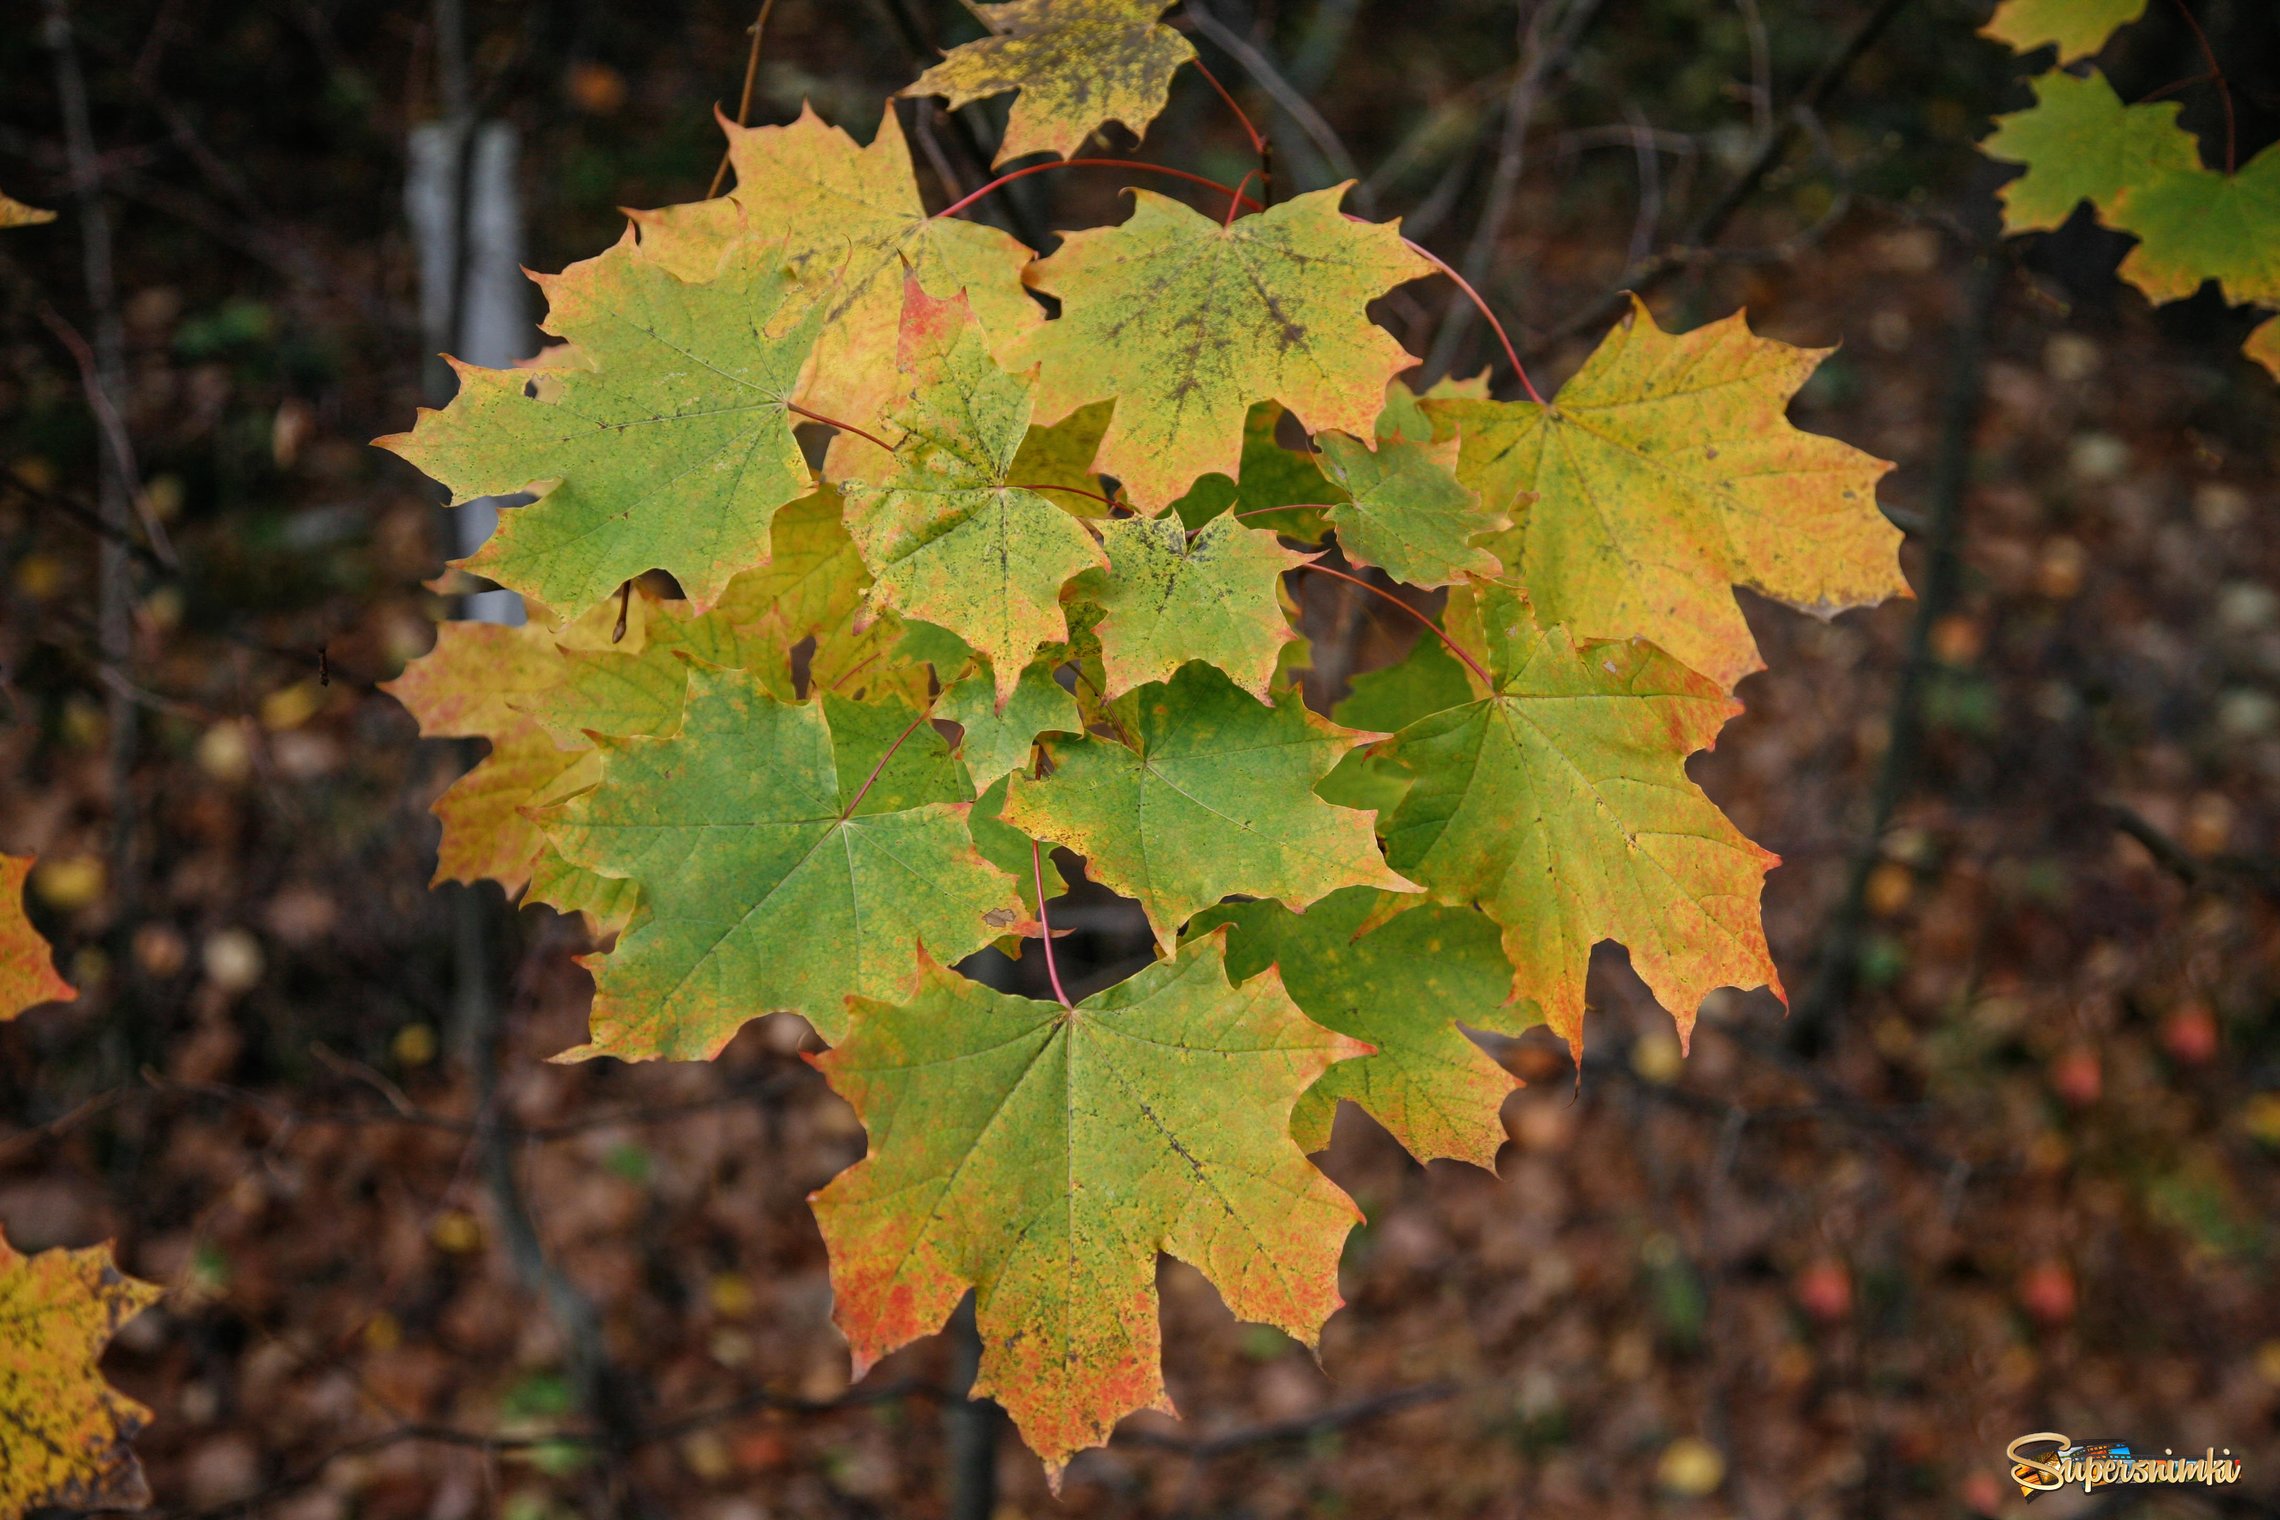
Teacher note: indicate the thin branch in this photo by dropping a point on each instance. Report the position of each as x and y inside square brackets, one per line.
[1287, 96]
[1838, 970]
[744, 101]
[1045, 925]
[1258, 143]
[844, 427]
[2224, 89]
[1052, 165]
[1465, 287]
[1549, 36]
[1705, 228]
[1454, 647]
[497, 1444]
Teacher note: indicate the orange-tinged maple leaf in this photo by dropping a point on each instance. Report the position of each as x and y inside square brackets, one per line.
[1079, 64]
[27, 967]
[848, 220]
[1186, 323]
[1044, 1156]
[1664, 473]
[1559, 802]
[65, 1434]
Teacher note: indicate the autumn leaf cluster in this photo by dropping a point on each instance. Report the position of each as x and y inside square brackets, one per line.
[861, 583]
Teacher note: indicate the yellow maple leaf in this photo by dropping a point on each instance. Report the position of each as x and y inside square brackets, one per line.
[1079, 64]
[64, 1433]
[1666, 472]
[851, 225]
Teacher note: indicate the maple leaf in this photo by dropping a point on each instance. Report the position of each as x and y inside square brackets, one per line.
[487, 831]
[1169, 601]
[1559, 803]
[1664, 472]
[473, 684]
[27, 967]
[65, 1435]
[1045, 1155]
[1403, 986]
[1270, 477]
[668, 446]
[814, 580]
[1079, 64]
[997, 740]
[849, 222]
[1186, 322]
[787, 855]
[2079, 27]
[14, 213]
[2080, 143]
[1406, 512]
[1210, 795]
[947, 539]
[2194, 224]
[1425, 681]
[2263, 345]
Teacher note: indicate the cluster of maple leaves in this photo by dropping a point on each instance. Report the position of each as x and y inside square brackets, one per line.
[2141, 173]
[1037, 596]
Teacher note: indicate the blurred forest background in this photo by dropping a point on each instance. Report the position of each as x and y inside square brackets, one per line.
[2010, 1165]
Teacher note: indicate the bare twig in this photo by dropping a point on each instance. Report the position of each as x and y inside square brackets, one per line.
[1287, 98]
[758, 29]
[1705, 228]
[1834, 978]
[1546, 39]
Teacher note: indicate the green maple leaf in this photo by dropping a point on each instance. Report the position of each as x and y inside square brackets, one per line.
[947, 538]
[1211, 796]
[1044, 1156]
[667, 445]
[848, 221]
[2079, 27]
[1079, 64]
[998, 740]
[1666, 472]
[1425, 681]
[1406, 512]
[1168, 601]
[1403, 987]
[2080, 143]
[1559, 803]
[1186, 323]
[2194, 224]
[787, 856]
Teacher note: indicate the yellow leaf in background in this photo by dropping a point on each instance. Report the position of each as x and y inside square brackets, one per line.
[27, 966]
[14, 213]
[64, 1433]
[2079, 27]
[1079, 64]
